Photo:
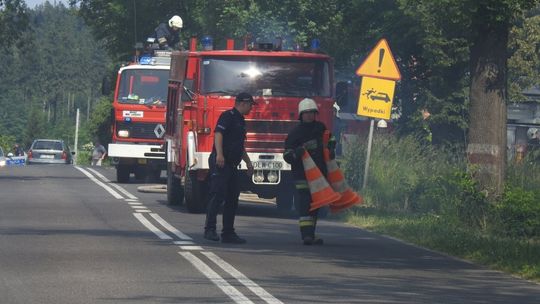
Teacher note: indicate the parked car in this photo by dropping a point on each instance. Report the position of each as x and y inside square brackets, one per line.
[2, 158]
[49, 151]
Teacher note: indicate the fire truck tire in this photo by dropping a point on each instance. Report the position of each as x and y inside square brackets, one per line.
[122, 173]
[284, 201]
[175, 191]
[140, 173]
[195, 193]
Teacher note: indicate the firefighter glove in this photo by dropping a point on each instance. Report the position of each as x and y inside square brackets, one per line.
[331, 145]
[299, 152]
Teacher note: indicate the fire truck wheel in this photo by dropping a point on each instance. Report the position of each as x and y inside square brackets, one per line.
[122, 173]
[195, 193]
[284, 201]
[140, 173]
[175, 191]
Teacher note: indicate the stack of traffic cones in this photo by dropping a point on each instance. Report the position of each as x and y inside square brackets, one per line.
[337, 181]
[321, 192]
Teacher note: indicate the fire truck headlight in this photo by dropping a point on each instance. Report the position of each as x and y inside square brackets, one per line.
[272, 176]
[258, 176]
[123, 133]
[2, 163]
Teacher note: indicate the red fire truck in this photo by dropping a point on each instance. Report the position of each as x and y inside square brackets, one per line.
[139, 107]
[204, 83]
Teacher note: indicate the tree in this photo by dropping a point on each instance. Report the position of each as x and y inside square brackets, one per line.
[491, 23]
[13, 20]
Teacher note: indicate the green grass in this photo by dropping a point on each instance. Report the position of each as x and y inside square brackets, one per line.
[519, 257]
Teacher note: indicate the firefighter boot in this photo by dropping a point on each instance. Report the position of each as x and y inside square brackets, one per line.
[307, 229]
[316, 240]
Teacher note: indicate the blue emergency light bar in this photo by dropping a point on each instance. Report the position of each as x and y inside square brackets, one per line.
[145, 60]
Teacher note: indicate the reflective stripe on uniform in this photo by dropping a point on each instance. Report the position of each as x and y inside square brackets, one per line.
[306, 221]
[162, 40]
[301, 184]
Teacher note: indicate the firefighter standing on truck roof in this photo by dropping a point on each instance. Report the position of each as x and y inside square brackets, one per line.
[227, 153]
[306, 136]
[168, 35]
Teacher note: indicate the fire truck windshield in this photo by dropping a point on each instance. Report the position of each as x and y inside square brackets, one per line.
[143, 86]
[266, 76]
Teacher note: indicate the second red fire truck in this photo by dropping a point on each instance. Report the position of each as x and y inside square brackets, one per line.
[139, 105]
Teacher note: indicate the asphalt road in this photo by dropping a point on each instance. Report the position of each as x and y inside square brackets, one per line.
[70, 235]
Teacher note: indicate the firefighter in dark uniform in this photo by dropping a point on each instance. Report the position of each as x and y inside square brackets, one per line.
[306, 136]
[227, 153]
[168, 35]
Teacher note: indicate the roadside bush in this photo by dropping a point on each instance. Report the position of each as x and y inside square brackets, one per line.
[403, 173]
[518, 213]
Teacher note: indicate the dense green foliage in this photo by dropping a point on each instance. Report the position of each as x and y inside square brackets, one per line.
[53, 67]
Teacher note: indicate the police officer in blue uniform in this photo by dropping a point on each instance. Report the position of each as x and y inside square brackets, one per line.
[227, 153]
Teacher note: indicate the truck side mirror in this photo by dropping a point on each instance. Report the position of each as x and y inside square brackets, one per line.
[342, 93]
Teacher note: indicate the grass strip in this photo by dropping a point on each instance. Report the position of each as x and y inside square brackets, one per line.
[520, 257]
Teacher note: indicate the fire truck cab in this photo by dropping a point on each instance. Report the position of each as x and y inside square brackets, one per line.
[204, 83]
[140, 100]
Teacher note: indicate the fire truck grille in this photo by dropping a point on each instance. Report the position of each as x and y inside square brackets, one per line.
[270, 126]
[139, 129]
[278, 128]
[268, 146]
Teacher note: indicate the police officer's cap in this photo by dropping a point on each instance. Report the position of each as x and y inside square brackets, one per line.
[245, 97]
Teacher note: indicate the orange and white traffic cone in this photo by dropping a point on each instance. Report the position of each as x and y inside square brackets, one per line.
[337, 181]
[321, 192]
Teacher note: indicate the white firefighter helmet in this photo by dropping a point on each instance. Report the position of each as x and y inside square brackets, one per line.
[337, 108]
[307, 104]
[175, 21]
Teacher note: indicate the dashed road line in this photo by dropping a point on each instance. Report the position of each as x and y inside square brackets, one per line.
[100, 183]
[227, 288]
[105, 179]
[256, 289]
[160, 234]
[169, 227]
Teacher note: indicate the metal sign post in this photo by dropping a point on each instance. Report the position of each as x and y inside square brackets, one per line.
[370, 140]
[76, 138]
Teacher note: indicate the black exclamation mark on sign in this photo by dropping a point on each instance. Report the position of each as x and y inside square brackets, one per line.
[381, 56]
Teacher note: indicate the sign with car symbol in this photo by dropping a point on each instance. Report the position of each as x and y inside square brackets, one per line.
[380, 73]
[376, 97]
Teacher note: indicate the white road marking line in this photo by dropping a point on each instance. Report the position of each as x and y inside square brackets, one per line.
[131, 200]
[183, 243]
[138, 207]
[191, 247]
[169, 227]
[135, 204]
[151, 227]
[103, 178]
[227, 288]
[143, 211]
[95, 180]
[256, 289]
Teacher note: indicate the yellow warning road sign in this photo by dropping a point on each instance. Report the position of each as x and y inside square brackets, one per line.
[380, 63]
[376, 97]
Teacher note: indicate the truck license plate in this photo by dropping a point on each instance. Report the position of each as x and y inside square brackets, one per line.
[267, 165]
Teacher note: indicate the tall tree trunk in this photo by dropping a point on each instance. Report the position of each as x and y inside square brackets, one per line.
[486, 150]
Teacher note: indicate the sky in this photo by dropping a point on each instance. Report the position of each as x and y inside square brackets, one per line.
[33, 3]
